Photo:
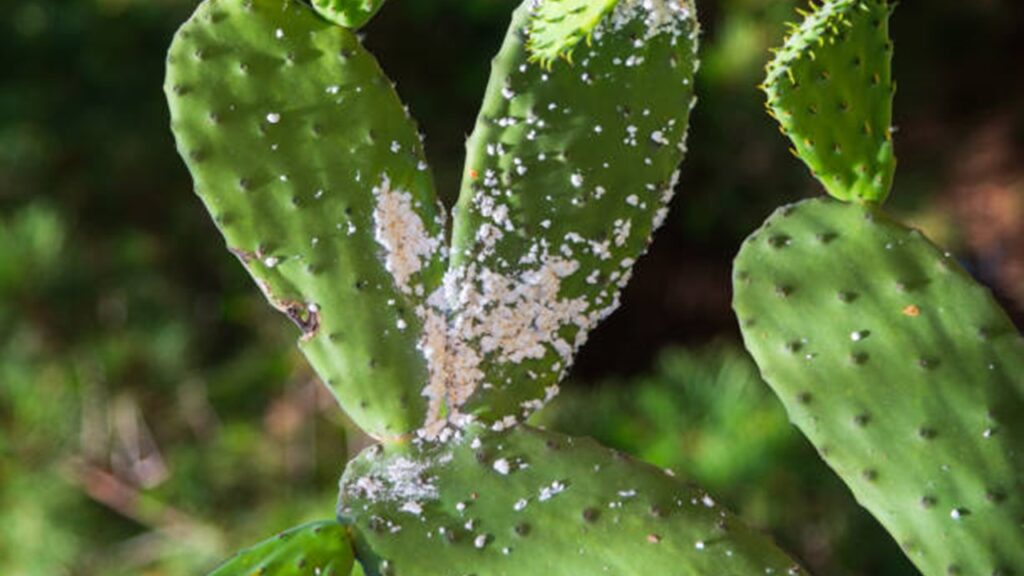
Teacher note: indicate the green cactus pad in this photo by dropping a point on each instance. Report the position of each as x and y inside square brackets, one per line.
[527, 502]
[348, 13]
[904, 373]
[569, 171]
[830, 87]
[321, 548]
[312, 170]
[557, 26]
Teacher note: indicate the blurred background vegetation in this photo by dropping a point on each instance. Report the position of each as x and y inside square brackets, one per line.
[155, 414]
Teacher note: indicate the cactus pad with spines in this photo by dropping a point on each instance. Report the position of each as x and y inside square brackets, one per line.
[322, 548]
[526, 502]
[309, 164]
[557, 26]
[569, 171]
[830, 87]
[348, 13]
[902, 370]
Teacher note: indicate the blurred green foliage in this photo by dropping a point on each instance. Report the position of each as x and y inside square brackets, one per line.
[154, 414]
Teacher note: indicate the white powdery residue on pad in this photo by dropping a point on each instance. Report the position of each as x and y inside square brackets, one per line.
[401, 232]
[402, 480]
[659, 16]
[500, 318]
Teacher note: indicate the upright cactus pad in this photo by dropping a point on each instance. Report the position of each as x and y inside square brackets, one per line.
[903, 372]
[308, 162]
[348, 13]
[569, 170]
[321, 548]
[527, 502]
[830, 87]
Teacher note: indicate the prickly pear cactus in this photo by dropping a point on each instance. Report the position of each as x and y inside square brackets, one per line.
[568, 173]
[526, 501]
[830, 87]
[309, 164]
[322, 548]
[904, 372]
[315, 175]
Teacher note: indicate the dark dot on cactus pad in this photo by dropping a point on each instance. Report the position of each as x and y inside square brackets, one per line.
[927, 363]
[825, 237]
[794, 346]
[591, 515]
[995, 496]
[372, 363]
[862, 419]
[859, 358]
[779, 241]
[657, 512]
[953, 570]
[376, 524]
[846, 296]
[927, 433]
[804, 398]
[783, 290]
[301, 564]
[928, 502]
[870, 475]
[522, 529]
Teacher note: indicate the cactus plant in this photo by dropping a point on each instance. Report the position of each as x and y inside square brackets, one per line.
[901, 369]
[830, 88]
[315, 175]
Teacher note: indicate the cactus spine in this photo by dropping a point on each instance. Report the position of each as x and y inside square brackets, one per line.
[902, 370]
[315, 175]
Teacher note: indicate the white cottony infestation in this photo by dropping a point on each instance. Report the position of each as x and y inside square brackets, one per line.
[522, 291]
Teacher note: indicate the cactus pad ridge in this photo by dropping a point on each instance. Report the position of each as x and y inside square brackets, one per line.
[526, 501]
[568, 173]
[315, 175]
[322, 548]
[902, 370]
[830, 88]
[348, 13]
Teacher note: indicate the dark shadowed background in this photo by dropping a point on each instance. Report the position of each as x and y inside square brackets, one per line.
[155, 414]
